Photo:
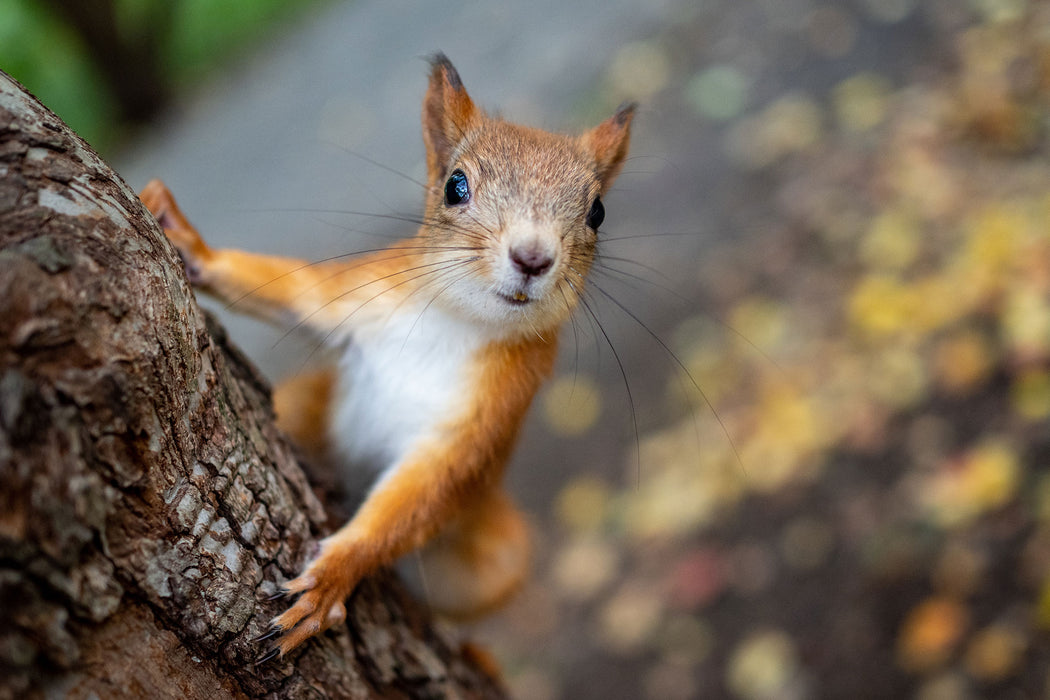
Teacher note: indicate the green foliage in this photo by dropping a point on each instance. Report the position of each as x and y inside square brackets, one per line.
[204, 32]
[43, 54]
[192, 37]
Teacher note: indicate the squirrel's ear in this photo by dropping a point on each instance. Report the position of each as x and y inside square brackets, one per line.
[448, 113]
[608, 143]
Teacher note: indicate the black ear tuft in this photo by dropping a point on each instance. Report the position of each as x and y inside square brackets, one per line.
[624, 113]
[439, 62]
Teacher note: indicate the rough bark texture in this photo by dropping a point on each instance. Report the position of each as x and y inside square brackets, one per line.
[148, 505]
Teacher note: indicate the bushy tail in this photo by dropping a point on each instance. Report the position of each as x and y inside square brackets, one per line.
[477, 563]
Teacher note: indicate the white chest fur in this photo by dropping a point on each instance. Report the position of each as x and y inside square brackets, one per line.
[401, 378]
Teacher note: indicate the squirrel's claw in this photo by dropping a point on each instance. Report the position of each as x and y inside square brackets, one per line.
[194, 252]
[268, 656]
[271, 632]
[319, 607]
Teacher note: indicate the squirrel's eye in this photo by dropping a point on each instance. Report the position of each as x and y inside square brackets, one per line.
[457, 189]
[596, 215]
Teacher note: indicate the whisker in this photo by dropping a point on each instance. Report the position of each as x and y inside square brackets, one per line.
[433, 299]
[681, 366]
[402, 218]
[626, 278]
[633, 236]
[359, 231]
[324, 340]
[575, 340]
[334, 258]
[601, 258]
[414, 249]
[590, 320]
[627, 386]
[378, 164]
[602, 268]
[303, 321]
[431, 222]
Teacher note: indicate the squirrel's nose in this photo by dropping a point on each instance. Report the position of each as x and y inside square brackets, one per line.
[531, 260]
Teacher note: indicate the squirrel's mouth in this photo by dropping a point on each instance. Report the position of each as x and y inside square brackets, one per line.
[518, 298]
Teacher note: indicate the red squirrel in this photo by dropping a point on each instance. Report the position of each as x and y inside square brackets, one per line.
[443, 341]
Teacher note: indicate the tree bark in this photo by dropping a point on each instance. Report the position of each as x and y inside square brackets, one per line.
[148, 505]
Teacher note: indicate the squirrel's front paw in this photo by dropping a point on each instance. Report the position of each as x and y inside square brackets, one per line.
[194, 252]
[323, 589]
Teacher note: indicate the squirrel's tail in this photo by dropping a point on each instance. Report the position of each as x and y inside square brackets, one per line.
[477, 563]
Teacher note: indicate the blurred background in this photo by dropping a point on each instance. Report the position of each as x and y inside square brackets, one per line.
[811, 459]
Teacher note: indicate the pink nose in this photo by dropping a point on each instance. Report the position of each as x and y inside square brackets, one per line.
[531, 261]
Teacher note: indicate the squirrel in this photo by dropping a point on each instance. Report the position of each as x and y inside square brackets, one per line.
[443, 340]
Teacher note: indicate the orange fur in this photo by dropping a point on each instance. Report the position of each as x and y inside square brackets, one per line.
[441, 479]
[478, 561]
[303, 404]
[532, 196]
[609, 142]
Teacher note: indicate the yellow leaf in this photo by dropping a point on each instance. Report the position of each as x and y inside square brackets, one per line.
[929, 633]
[861, 101]
[762, 665]
[963, 360]
[1030, 394]
[892, 241]
[572, 404]
[882, 306]
[994, 653]
[582, 504]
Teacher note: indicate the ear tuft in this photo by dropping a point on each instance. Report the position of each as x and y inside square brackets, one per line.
[625, 113]
[608, 143]
[439, 64]
[448, 115]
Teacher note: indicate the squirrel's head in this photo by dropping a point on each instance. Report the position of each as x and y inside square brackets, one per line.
[513, 211]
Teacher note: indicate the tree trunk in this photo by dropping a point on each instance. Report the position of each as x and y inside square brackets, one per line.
[148, 505]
